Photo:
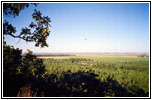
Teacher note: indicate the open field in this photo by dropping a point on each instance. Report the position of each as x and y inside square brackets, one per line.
[90, 56]
[105, 75]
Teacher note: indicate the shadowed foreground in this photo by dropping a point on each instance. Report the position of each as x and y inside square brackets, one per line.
[80, 84]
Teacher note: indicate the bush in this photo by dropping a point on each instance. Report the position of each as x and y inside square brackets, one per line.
[19, 71]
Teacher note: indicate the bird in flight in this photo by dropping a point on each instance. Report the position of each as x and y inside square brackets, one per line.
[85, 38]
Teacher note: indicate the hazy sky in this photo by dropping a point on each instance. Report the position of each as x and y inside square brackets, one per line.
[89, 27]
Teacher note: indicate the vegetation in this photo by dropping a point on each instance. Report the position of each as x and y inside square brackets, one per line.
[37, 31]
[143, 55]
[91, 77]
[77, 77]
[20, 72]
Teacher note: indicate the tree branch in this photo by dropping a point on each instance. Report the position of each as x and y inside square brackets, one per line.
[19, 36]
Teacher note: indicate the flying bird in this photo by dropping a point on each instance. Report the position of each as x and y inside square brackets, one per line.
[85, 38]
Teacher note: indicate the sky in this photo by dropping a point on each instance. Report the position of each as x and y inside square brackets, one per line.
[88, 27]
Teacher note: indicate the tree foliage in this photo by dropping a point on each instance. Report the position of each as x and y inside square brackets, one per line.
[13, 9]
[37, 31]
[26, 75]
[11, 59]
[19, 70]
[32, 66]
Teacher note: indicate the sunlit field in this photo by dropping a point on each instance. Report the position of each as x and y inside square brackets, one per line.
[99, 75]
[76, 49]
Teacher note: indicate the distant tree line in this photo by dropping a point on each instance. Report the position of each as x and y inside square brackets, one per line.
[27, 76]
[48, 55]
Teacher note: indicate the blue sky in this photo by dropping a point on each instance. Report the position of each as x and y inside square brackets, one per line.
[107, 27]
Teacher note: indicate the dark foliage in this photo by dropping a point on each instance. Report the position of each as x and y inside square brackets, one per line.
[37, 31]
[11, 64]
[11, 59]
[31, 80]
[81, 84]
[14, 8]
[27, 76]
[18, 71]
